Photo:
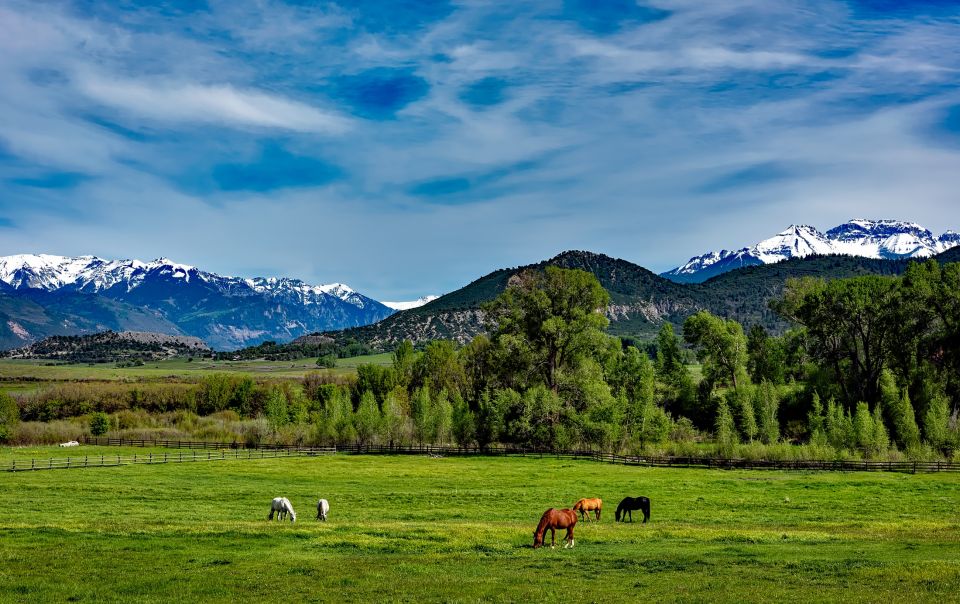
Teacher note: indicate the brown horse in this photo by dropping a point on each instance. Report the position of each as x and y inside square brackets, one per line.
[555, 519]
[585, 506]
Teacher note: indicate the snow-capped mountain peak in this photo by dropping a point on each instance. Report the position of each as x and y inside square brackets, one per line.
[411, 303]
[227, 312]
[91, 274]
[889, 239]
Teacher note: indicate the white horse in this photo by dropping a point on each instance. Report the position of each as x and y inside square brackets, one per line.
[281, 506]
[323, 508]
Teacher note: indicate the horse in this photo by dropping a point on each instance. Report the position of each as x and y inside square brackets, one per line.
[323, 508]
[281, 506]
[633, 503]
[554, 519]
[585, 506]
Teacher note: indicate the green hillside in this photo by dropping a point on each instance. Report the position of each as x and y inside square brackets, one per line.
[641, 301]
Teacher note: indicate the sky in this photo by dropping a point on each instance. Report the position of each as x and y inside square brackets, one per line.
[406, 148]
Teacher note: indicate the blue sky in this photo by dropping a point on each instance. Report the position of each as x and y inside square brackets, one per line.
[409, 147]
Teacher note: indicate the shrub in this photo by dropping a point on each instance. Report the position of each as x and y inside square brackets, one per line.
[99, 423]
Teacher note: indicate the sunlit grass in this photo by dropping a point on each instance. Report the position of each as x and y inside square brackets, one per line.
[423, 529]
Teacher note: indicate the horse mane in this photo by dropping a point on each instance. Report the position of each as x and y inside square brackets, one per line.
[542, 527]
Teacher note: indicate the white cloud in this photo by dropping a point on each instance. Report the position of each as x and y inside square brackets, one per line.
[214, 104]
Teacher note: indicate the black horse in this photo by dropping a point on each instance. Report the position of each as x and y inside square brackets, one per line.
[633, 503]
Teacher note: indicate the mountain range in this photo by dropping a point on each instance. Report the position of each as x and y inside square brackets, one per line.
[886, 239]
[46, 295]
[641, 301]
[43, 295]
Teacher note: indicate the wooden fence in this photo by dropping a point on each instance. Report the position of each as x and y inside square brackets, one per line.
[238, 450]
[106, 461]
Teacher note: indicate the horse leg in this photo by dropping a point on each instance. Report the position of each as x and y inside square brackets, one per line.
[553, 538]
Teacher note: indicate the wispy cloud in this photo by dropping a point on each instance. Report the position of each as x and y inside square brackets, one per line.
[501, 133]
[216, 104]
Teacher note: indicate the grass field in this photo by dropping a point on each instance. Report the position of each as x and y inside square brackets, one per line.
[424, 529]
[24, 374]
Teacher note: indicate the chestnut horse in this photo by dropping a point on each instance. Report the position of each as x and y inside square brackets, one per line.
[554, 519]
[585, 506]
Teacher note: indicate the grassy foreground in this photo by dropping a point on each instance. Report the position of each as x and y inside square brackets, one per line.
[423, 529]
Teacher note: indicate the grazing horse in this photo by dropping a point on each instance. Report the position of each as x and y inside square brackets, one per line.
[585, 506]
[323, 508]
[554, 519]
[281, 506]
[633, 503]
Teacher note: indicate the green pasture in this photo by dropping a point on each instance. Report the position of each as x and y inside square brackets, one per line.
[18, 375]
[425, 529]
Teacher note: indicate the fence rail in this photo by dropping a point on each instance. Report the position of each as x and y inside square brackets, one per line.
[106, 461]
[237, 450]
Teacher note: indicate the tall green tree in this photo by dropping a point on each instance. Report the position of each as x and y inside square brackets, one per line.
[439, 367]
[421, 409]
[464, 423]
[558, 313]
[396, 421]
[900, 410]
[766, 358]
[767, 404]
[725, 430]
[367, 421]
[441, 418]
[936, 423]
[721, 347]
[403, 358]
[852, 326]
[275, 408]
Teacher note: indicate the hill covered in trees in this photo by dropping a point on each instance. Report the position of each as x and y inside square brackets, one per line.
[111, 347]
[640, 300]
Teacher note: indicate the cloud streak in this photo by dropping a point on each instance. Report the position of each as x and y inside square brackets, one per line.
[212, 104]
[496, 134]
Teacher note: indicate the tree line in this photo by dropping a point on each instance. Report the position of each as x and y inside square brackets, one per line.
[870, 367]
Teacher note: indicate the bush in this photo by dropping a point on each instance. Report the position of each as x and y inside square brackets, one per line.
[99, 423]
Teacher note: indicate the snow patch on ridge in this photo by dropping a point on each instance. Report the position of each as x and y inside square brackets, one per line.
[890, 239]
[410, 304]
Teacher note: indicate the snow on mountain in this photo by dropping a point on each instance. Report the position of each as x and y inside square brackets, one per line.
[410, 304]
[890, 239]
[90, 274]
[227, 312]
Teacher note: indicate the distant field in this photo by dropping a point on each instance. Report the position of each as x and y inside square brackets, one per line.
[18, 373]
[423, 529]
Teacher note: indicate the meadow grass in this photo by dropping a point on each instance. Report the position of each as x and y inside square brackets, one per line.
[19, 374]
[423, 529]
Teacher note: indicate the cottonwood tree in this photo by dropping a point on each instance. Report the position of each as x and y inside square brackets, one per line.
[852, 326]
[721, 347]
[558, 314]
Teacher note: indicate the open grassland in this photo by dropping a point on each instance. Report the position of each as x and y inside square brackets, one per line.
[424, 529]
[24, 374]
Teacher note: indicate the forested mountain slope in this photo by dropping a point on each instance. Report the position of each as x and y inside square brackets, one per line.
[641, 301]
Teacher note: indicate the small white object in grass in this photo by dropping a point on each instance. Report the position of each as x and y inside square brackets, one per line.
[70, 443]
